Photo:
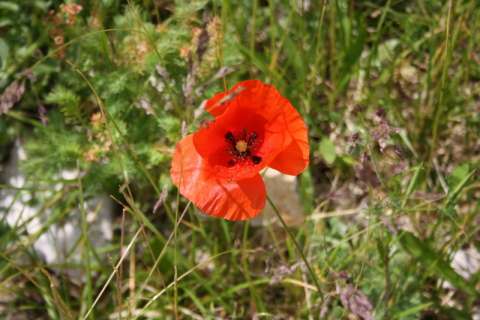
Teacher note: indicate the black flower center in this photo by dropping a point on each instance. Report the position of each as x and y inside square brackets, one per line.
[241, 147]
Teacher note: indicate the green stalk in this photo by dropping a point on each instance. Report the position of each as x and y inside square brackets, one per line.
[297, 245]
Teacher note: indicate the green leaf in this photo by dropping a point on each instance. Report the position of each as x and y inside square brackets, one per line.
[433, 260]
[458, 174]
[413, 310]
[9, 6]
[414, 182]
[4, 51]
[68, 101]
[306, 190]
[327, 150]
[453, 194]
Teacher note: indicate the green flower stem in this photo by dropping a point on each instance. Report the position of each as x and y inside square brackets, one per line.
[299, 249]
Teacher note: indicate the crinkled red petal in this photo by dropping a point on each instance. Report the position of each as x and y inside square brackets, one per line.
[267, 102]
[295, 157]
[220, 101]
[198, 182]
[257, 108]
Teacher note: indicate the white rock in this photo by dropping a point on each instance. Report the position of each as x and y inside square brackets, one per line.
[57, 245]
[282, 189]
[466, 262]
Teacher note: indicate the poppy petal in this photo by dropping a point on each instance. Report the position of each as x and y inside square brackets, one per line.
[219, 102]
[256, 95]
[272, 138]
[215, 105]
[198, 182]
[295, 157]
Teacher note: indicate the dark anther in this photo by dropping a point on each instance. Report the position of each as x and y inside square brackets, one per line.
[229, 136]
[256, 159]
[251, 138]
[231, 163]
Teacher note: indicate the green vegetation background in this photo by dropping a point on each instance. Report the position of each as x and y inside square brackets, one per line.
[391, 94]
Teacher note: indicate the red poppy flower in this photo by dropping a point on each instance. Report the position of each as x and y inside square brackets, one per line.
[217, 167]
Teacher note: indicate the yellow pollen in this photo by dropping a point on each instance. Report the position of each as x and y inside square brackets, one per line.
[241, 146]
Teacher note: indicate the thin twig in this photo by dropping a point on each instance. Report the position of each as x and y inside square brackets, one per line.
[115, 270]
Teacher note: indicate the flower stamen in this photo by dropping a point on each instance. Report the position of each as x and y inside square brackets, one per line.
[241, 146]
